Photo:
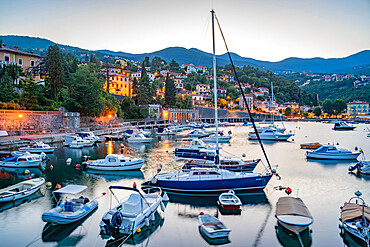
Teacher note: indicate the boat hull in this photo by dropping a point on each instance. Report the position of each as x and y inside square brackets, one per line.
[326, 156]
[54, 216]
[211, 186]
[279, 137]
[126, 167]
[22, 193]
[37, 150]
[22, 164]
[245, 167]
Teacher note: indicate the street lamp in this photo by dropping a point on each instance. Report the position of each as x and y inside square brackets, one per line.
[20, 116]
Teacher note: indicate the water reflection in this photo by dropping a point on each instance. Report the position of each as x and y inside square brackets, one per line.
[360, 176]
[115, 175]
[332, 163]
[196, 200]
[289, 239]
[215, 241]
[138, 237]
[7, 205]
[350, 240]
[10, 175]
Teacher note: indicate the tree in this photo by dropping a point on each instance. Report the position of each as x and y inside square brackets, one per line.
[169, 92]
[327, 107]
[338, 106]
[317, 111]
[6, 86]
[85, 92]
[288, 111]
[131, 111]
[146, 62]
[55, 69]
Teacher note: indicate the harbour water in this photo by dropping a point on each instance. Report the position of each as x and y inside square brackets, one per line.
[323, 185]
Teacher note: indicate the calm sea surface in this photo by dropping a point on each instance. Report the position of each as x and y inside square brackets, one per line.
[323, 186]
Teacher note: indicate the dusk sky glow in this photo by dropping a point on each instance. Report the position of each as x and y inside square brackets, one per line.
[262, 29]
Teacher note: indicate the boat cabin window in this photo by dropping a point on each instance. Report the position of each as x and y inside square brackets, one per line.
[22, 159]
[206, 173]
[122, 160]
[332, 148]
[111, 160]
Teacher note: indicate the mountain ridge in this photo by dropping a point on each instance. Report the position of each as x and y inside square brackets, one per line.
[198, 57]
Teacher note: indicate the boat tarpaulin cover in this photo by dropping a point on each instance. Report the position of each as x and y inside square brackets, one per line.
[352, 211]
[291, 206]
[71, 189]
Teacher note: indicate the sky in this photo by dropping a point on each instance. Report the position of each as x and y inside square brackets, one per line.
[269, 30]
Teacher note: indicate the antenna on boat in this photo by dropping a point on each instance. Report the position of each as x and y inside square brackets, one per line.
[215, 87]
[241, 89]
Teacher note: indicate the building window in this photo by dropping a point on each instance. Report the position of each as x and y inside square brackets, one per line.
[32, 63]
[7, 59]
[20, 61]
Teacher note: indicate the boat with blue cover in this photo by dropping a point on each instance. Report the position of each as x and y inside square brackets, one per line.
[70, 210]
[23, 160]
[230, 164]
[329, 152]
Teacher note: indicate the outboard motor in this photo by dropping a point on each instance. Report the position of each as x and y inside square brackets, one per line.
[352, 168]
[116, 221]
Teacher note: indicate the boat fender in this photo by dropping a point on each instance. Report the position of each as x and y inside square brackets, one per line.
[162, 207]
[77, 166]
[122, 151]
[51, 167]
[138, 230]
[26, 172]
[58, 186]
[165, 197]
[244, 155]
[154, 180]
[48, 184]
[134, 185]
[356, 148]
[288, 190]
[159, 168]
[147, 221]
[153, 217]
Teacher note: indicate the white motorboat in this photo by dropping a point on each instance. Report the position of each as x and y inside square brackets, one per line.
[213, 227]
[270, 134]
[329, 152]
[355, 218]
[77, 142]
[198, 133]
[362, 167]
[340, 125]
[135, 212]
[293, 214]
[229, 200]
[21, 190]
[89, 136]
[212, 139]
[138, 138]
[165, 131]
[38, 147]
[71, 210]
[23, 160]
[115, 162]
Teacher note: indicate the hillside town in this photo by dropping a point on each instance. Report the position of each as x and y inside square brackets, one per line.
[193, 84]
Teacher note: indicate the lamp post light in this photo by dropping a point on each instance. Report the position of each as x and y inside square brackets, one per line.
[20, 116]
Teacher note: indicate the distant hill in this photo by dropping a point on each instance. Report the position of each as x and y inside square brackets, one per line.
[198, 57]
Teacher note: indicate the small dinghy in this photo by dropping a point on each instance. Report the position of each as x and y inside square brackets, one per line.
[229, 200]
[134, 213]
[293, 214]
[355, 219]
[71, 210]
[21, 190]
[362, 167]
[311, 145]
[212, 227]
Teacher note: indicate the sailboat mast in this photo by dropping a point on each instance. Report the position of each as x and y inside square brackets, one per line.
[271, 103]
[215, 86]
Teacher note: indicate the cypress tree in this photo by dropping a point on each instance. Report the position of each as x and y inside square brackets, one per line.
[169, 92]
[55, 69]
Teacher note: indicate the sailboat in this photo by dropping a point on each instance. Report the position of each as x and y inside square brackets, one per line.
[209, 180]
